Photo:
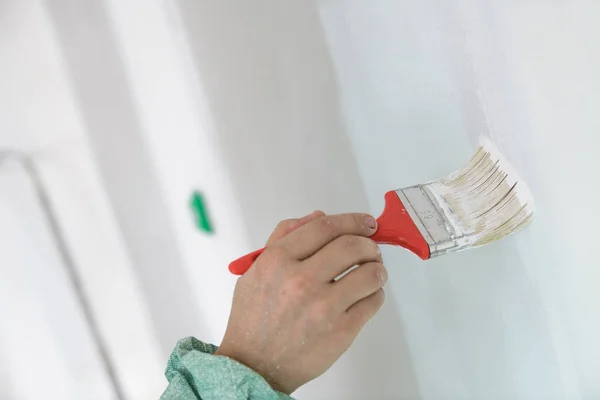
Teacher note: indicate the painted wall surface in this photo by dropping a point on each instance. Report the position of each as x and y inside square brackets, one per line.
[420, 82]
[271, 88]
[274, 109]
[42, 329]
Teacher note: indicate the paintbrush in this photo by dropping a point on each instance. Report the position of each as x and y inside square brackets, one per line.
[483, 202]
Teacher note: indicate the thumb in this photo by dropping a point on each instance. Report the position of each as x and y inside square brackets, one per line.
[289, 225]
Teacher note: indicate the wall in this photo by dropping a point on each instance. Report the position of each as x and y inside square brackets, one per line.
[420, 83]
[272, 91]
[43, 333]
[273, 110]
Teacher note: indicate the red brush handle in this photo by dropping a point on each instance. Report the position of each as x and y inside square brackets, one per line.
[243, 264]
[395, 227]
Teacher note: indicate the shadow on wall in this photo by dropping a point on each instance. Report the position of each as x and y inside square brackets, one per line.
[108, 108]
[269, 80]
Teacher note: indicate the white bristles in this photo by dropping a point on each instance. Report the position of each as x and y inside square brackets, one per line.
[485, 200]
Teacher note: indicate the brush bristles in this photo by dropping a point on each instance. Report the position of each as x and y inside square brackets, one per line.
[486, 198]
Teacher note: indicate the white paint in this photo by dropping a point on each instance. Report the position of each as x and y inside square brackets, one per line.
[524, 193]
[484, 201]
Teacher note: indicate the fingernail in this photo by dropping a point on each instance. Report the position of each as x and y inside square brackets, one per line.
[371, 223]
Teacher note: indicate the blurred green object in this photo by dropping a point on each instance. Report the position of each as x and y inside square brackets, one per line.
[202, 219]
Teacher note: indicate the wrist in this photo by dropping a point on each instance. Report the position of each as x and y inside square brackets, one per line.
[268, 373]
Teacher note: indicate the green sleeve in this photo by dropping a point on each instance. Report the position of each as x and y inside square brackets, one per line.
[194, 372]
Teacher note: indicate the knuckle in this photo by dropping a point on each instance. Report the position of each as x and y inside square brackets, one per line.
[286, 224]
[373, 275]
[319, 213]
[360, 246]
[349, 242]
[378, 274]
[328, 225]
[273, 257]
[370, 247]
[274, 254]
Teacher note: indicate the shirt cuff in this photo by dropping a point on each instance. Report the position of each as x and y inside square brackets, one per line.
[194, 372]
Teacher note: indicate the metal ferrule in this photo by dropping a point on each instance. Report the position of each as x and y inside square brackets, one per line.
[442, 235]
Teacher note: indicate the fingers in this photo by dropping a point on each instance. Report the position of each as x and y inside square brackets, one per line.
[341, 254]
[360, 313]
[359, 284]
[290, 225]
[310, 238]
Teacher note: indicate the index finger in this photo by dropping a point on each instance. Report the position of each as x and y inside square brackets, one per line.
[310, 238]
[286, 227]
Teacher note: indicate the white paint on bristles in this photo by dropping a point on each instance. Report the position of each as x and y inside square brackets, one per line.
[486, 200]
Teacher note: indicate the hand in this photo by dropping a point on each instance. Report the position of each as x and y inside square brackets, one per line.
[290, 320]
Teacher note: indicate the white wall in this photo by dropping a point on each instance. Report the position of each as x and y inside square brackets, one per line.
[272, 90]
[42, 329]
[276, 109]
[421, 81]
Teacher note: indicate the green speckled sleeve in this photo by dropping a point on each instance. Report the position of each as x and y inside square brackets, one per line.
[194, 372]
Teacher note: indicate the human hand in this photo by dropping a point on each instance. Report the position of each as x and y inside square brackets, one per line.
[290, 320]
